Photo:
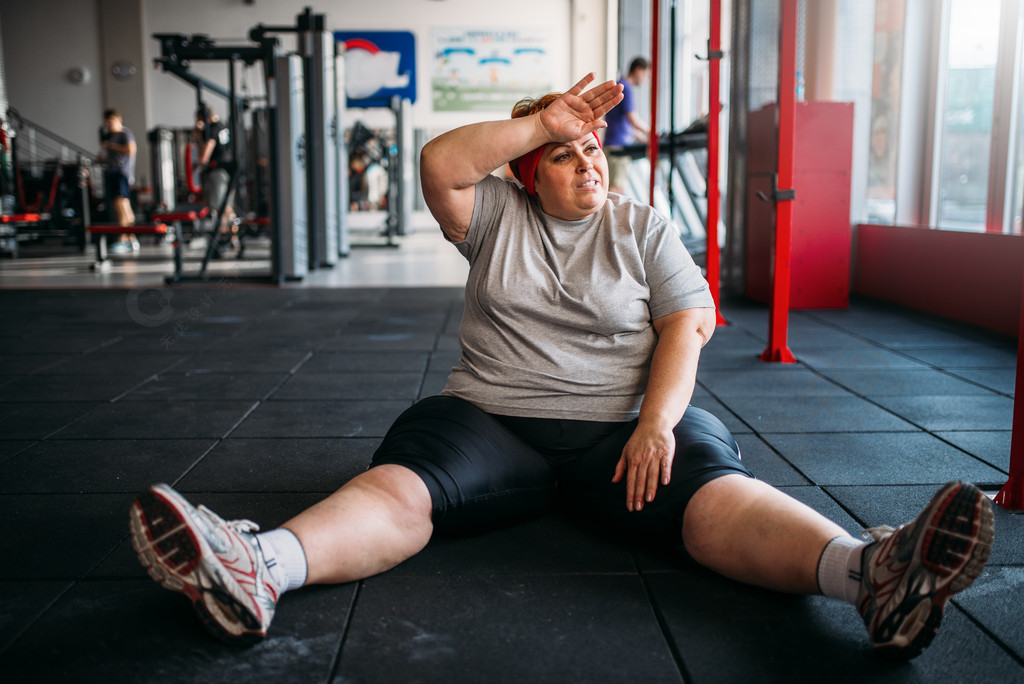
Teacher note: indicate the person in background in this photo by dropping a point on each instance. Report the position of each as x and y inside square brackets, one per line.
[117, 151]
[625, 127]
[216, 161]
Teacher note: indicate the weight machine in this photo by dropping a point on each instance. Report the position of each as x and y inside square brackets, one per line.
[178, 51]
[307, 223]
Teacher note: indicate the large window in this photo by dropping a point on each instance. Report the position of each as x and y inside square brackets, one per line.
[966, 114]
[946, 143]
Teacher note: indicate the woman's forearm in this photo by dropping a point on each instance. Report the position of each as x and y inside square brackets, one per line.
[673, 373]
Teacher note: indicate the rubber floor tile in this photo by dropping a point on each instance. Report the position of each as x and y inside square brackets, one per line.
[131, 365]
[823, 503]
[856, 356]
[769, 381]
[151, 420]
[814, 414]
[381, 342]
[880, 383]
[71, 341]
[280, 465]
[10, 447]
[433, 384]
[34, 363]
[550, 544]
[718, 410]
[998, 380]
[22, 602]
[203, 387]
[986, 602]
[321, 418]
[973, 357]
[443, 361]
[69, 387]
[953, 413]
[244, 361]
[528, 628]
[135, 631]
[923, 339]
[879, 458]
[367, 362]
[38, 420]
[59, 536]
[728, 632]
[167, 341]
[352, 386]
[99, 466]
[765, 464]
[991, 446]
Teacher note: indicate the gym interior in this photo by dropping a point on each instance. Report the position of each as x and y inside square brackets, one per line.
[848, 173]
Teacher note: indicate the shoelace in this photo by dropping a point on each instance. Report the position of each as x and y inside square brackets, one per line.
[242, 526]
[877, 533]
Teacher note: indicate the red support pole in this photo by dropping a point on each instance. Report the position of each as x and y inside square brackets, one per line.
[1011, 496]
[714, 261]
[778, 316]
[652, 139]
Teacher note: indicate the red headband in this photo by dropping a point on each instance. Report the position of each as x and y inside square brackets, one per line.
[525, 168]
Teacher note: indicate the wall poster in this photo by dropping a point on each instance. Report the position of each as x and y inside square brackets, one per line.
[484, 69]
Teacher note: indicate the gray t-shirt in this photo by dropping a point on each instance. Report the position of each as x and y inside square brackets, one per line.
[558, 314]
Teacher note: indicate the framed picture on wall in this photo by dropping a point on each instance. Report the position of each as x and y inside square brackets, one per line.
[488, 69]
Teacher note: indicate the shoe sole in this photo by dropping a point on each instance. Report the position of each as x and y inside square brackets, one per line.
[954, 547]
[173, 555]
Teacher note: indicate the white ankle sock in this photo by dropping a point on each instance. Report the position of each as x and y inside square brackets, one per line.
[286, 561]
[839, 568]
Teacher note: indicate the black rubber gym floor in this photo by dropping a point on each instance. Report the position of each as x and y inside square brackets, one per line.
[259, 401]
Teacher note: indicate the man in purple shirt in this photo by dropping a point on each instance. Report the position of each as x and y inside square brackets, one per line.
[625, 127]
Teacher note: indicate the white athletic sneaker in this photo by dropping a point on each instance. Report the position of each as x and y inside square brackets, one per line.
[217, 564]
[909, 574]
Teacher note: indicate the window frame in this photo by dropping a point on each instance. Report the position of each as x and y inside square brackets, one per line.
[922, 103]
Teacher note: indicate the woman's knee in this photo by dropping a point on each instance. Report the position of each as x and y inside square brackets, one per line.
[398, 488]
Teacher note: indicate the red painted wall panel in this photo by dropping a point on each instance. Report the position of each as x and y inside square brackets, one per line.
[971, 277]
[820, 254]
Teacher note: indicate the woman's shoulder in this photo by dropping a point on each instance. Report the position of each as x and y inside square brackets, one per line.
[639, 215]
[498, 184]
[502, 192]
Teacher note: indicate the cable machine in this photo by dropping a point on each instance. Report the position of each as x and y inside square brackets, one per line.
[178, 51]
[321, 71]
[307, 224]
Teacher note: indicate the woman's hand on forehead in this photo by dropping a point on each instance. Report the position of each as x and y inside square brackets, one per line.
[577, 113]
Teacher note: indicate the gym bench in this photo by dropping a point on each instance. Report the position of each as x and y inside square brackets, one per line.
[9, 224]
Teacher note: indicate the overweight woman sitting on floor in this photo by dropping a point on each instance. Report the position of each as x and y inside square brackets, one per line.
[583, 325]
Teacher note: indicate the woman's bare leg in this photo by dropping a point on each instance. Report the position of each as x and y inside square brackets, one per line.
[373, 523]
[747, 530]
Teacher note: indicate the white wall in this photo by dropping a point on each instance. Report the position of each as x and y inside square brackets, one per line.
[42, 41]
[171, 102]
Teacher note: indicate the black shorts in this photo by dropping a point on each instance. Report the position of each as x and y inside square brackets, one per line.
[116, 185]
[485, 470]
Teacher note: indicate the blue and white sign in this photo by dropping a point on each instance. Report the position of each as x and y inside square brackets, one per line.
[489, 69]
[378, 66]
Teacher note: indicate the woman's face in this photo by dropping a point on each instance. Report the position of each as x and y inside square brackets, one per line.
[572, 179]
